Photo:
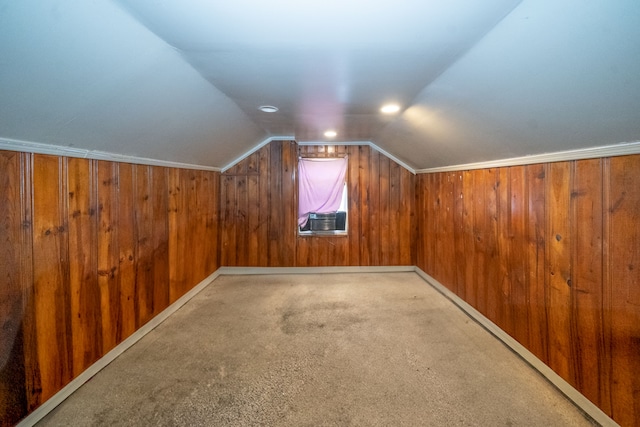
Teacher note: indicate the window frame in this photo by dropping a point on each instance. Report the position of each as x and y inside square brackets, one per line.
[345, 203]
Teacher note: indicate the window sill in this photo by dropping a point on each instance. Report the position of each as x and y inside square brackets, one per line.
[334, 233]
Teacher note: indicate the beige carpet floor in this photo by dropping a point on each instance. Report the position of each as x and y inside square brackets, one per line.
[379, 349]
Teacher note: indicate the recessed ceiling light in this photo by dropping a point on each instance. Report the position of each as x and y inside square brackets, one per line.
[268, 108]
[330, 133]
[390, 108]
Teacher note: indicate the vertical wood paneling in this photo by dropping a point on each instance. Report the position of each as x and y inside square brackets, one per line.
[364, 205]
[355, 194]
[444, 251]
[229, 219]
[383, 211]
[502, 291]
[421, 195]
[13, 397]
[373, 202]
[52, 303]
[263, 215]
[209, 212]
[559, 275]
[588, 334]
[213, 224]
[197, 225]
[139, 287]
[160, 254]
[289, 194]
[458, 235]
[191, 224]
[85, 248]
[259, 217]
[437, 218]
[469, 229]
[393, 220]
[128, 255]
[519, 309]
[31, 368]
[551, 254]
[624, 291]
[564, 235]
[492, 283]
[480, 231]
[108, 252]
[242, 220]
[83, 268]
[190, 229]
[276, 206]
[253, 219]
[177, 234]
[535, 257]
[406, 226]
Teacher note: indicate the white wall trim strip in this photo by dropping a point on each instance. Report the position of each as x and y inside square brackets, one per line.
[567, 389]
[367, 143]
[58, 150]
[394, 158]
[313, 270]
[105, 360]
[621, 149]
[256, 148]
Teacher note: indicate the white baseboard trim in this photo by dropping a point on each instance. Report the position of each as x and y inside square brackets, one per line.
[229, 271]
[567, 389]
[85, 376]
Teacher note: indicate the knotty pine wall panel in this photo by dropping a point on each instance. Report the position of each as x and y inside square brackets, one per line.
[622, 285]
[259, 211]
[550, 254]
[15, 285]
[83, 273]
[91, 251]
[51, 293]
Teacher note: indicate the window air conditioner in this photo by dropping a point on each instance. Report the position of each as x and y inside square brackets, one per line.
[326, 222]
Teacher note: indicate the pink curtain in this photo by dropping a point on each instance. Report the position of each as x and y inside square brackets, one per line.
[320, 186]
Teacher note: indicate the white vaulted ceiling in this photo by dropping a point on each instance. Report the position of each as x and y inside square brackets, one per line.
[181, 80]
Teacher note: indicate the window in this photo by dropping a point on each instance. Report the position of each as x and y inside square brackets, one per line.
[322, 196]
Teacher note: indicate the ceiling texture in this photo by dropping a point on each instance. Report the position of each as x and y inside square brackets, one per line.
[182, 80]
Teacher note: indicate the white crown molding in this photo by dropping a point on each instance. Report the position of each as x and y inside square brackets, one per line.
[622, 149]
[367, 143]
[394, 158]
[58, 150]
[256, 148]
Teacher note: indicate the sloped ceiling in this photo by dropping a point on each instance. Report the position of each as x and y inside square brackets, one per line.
[181, 80]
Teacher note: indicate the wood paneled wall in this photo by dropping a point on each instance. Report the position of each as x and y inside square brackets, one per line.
[551, 254]
[91, 251]
[259, 210]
